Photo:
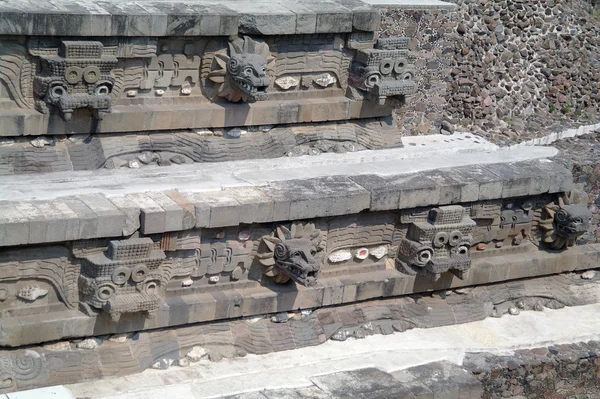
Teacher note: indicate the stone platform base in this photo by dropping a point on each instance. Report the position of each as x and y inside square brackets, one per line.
[69, 362]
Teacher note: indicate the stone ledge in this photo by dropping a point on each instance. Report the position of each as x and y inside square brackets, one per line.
[96, 216]
[196, 17]
[257, 300]
[158, 117]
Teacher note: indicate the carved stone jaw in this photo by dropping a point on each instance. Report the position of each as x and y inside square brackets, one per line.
[296, 258]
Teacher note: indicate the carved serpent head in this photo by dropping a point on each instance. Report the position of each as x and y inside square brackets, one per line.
[249, 73]
[296, 257]
[571, 221]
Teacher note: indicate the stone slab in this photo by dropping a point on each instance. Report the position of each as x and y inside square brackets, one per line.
[194, 17]
[228, 197]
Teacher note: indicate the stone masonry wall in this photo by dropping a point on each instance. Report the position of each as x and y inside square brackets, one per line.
[556, 372]
[506, 69]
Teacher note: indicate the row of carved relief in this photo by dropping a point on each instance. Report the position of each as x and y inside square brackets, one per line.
[61, 75]
[47, 154]
[134, 275]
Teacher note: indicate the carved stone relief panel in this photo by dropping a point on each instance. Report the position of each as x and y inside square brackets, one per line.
[127, 278]
[436, 242]
[37, 281]
[78, 76]
[386, 71]
[241, 71]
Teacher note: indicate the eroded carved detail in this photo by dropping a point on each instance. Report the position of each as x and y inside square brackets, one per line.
[439, 243]
[22, 366]
[79, 76]
[127, 278]
[293, 253]
[562, 224]
[385, 71]
[241, 72]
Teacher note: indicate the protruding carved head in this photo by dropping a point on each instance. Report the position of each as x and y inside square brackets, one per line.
[249, 73]
[296, 258]
[572, 220]
[240, 73]
[292, 253]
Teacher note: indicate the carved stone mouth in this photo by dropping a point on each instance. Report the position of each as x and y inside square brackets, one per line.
[571, 230]
[302, 274]
[249, 88]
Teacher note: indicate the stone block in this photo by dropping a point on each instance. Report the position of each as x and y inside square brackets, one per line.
[306, 19]
[130, 19]
[131, 210]
[540, 178]
[326, 196]
[255, 207]
[450, 189]
[333, 292]
[174, 212]
[214, 208]
[201, 307]
[111, 221]
[59, 224]
[515, 183]
[189, 212]
[264, 18]
[36, 220]
[258, 301]
[489, 184]
[331, 17]
[384, 196]
[561, 180]
[14, 226]
[153, 218]
[262, 113]
[415, 190]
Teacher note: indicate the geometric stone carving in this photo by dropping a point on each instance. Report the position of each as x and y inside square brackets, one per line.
[127, 278]
[438, 244]
[78, 77]
[384, 71]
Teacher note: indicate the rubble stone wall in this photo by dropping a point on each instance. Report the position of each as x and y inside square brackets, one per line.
[557, 372]
[506, 69]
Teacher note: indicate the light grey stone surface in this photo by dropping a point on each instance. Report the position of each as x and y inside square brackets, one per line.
[254, 192]
[195, 17]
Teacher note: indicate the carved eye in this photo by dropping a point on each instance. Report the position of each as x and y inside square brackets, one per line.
[399, 65]
[407, 76]
[562, 216]
[372, 79]
[58, 91]
[248, 71]
[313, 252]
[105, 292]
[102, 90]
[440, 239]
[424, 256]
[386, 66]
[463, 250]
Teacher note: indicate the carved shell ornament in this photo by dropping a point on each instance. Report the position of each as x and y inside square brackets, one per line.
[241, 72]
[292, 254]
